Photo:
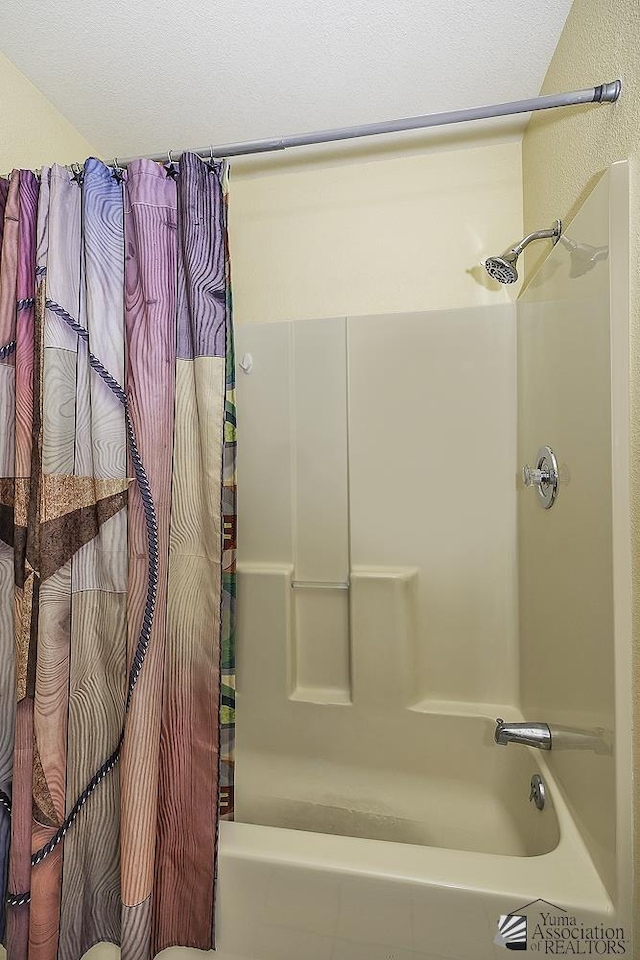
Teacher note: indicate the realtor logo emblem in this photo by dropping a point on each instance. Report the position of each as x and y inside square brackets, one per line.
[512, 931]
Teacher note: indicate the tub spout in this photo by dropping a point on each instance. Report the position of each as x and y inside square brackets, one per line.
[531, 734]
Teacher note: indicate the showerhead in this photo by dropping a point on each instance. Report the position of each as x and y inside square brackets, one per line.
[503, 269]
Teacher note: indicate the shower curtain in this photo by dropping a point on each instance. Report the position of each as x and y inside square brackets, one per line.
[117, 556]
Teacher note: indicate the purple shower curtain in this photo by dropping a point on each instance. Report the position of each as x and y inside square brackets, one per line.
[117, 556]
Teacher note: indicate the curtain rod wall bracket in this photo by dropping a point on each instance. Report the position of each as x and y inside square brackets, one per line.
[608, 92]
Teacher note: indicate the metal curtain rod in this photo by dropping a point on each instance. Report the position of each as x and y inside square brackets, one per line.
[604, 93]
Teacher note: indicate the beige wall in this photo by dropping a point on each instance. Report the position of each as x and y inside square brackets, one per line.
[32, 132]
[384, 236]
[563, 153]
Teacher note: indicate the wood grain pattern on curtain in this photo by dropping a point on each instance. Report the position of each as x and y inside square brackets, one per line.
[117, 557]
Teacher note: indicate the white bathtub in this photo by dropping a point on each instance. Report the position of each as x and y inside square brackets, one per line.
[408, 777]
[299, 895]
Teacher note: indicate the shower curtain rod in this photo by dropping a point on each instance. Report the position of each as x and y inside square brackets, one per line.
[603, 93]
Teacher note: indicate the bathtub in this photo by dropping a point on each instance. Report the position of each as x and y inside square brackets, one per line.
[462, 847]
[421, 779]
[426, 881]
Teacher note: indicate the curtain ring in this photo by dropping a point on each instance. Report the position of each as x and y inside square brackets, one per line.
[171, 167]
[210, 163]
[118, 171]
[77, 173]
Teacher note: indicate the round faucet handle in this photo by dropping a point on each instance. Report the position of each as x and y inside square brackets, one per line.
[543, 476]
[534, 477]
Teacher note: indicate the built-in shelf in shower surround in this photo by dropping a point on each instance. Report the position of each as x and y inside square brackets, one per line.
[382, 630]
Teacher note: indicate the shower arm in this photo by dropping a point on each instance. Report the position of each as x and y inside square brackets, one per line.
[553, 233]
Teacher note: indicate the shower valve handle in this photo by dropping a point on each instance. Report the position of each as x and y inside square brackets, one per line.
[543, 477]
[533, 477]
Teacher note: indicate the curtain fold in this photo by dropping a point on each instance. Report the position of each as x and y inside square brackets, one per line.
[117, 556]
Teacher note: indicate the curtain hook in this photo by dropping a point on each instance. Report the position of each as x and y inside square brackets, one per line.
[171, 167]
[211, 163]
[77, 174]
[118, 171]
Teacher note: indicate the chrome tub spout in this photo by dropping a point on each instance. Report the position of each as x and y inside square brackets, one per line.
[531, 734]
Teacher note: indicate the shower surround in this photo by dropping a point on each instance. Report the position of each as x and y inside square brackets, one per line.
[378, 817]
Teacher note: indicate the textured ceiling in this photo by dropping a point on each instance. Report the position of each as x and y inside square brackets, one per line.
[150, 74]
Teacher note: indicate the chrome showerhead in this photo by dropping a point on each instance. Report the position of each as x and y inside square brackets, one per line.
[503, 269]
